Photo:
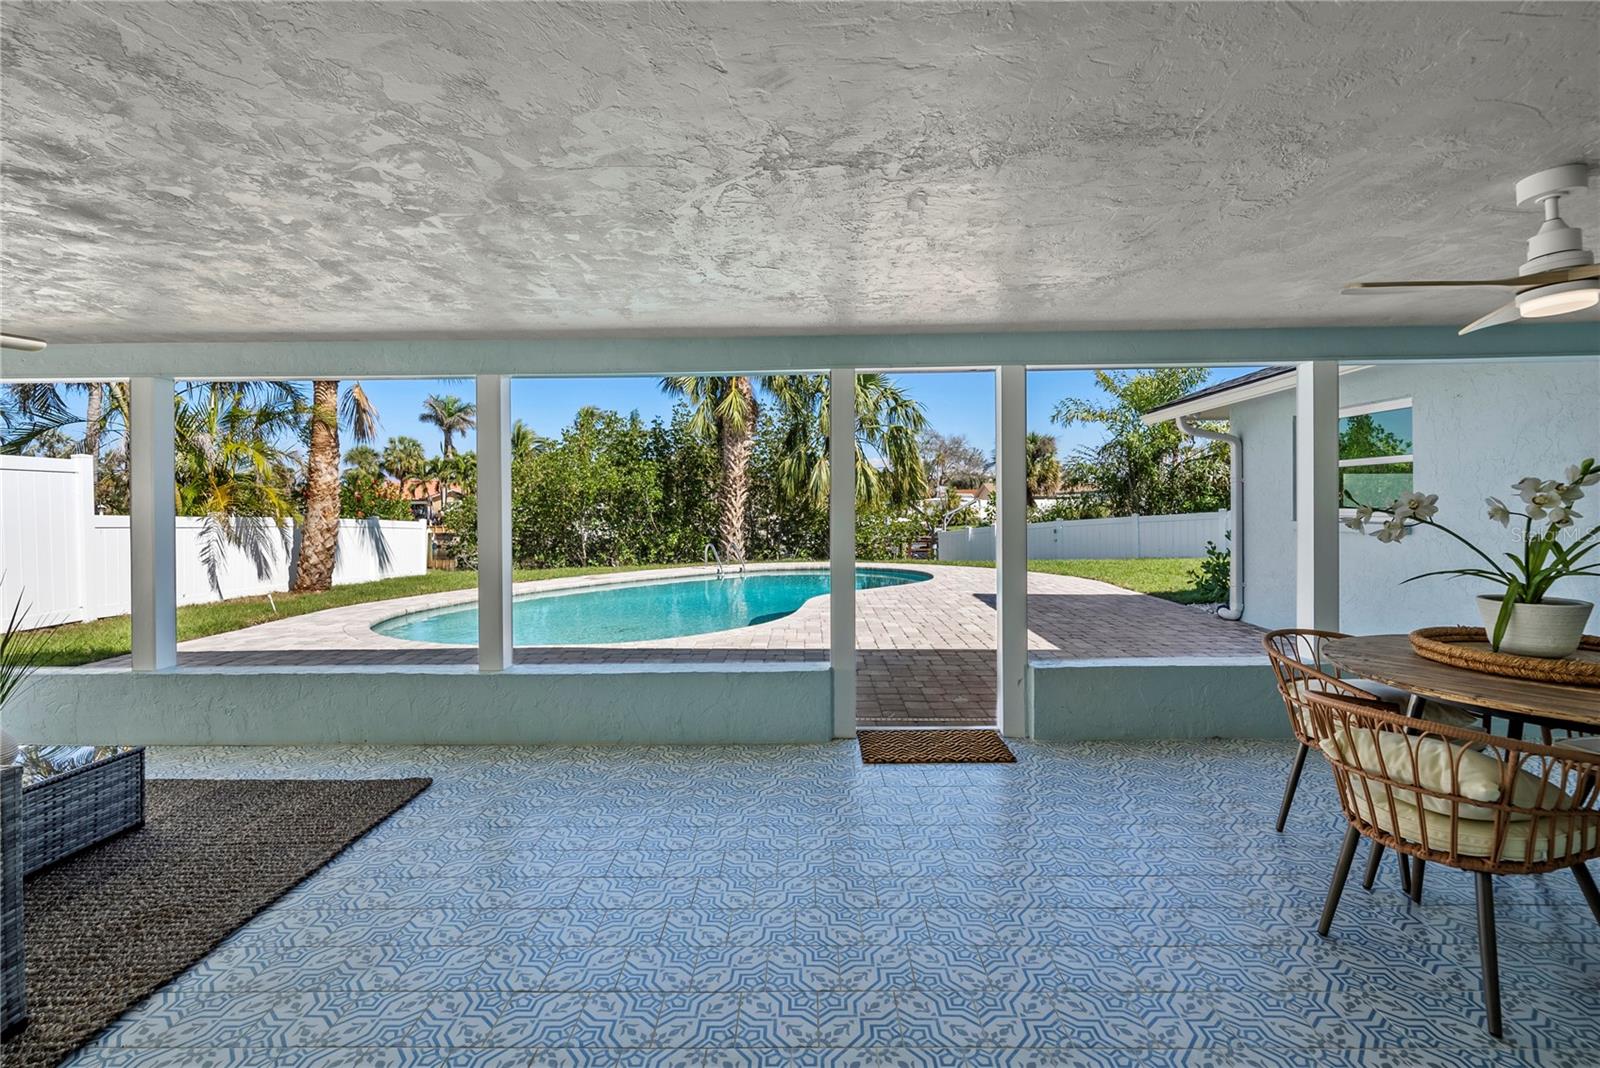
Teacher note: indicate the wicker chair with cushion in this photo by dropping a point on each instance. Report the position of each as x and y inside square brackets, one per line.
[1297, 661]
[1465, 799]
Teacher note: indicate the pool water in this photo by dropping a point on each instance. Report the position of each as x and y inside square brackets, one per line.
[642, 611]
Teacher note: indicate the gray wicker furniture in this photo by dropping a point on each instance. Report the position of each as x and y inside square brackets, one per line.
[66, 813]
[13, 986]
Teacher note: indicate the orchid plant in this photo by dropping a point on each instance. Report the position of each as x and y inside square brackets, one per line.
[1544, 559]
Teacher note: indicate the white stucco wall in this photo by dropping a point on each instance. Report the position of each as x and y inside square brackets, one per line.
[1477, 428]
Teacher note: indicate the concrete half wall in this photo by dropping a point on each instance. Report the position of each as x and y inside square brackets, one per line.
[288, 706]
[1196, 697]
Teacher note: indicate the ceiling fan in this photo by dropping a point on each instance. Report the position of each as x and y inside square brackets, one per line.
[1560, 276]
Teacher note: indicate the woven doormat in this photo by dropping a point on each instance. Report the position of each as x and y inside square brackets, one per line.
[109, 926]
[934, 747]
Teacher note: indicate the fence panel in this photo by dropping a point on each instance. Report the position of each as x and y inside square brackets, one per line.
[1121, 538]
[74, 564]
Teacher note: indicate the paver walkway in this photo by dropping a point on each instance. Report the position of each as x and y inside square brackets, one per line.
[925, 649]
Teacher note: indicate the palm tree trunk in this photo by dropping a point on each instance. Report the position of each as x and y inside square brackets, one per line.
[320, 537]
[93, 413]
[733, 496]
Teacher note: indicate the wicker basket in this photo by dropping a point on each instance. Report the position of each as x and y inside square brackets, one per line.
[64, 814]
[13, 980]
[1468, 647]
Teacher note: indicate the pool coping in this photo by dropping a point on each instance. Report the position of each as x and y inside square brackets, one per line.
[357, 621]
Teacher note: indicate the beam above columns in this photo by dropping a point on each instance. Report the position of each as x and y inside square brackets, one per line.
[1011, 547]
[1316, 460]
[494, 523]
[800, 352]
[842, 547]
[152, 540]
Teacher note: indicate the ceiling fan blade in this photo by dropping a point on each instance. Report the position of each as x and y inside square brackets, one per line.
[1542, 278]
[1506, 313]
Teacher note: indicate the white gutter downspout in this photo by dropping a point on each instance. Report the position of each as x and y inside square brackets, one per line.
[1235, 607]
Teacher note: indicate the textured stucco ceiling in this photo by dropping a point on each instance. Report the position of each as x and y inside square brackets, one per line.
[192, 171]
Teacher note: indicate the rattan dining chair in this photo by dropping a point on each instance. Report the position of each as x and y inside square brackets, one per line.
[1465, 799]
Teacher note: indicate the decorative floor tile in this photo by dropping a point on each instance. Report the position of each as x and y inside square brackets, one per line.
[787, 906]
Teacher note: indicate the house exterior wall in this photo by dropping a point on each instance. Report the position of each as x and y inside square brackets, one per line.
[1477, 428]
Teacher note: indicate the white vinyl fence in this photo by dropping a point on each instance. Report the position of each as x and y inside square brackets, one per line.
[70, 564]
[1123, 538]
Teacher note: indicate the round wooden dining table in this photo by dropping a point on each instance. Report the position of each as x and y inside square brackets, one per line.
[1390, 660]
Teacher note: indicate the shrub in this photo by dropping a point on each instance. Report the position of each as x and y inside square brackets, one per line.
[1211, 576]
[364, 495]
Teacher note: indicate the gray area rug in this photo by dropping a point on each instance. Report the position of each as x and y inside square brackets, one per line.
[113, 924]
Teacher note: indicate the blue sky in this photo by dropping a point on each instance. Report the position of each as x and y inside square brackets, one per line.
[959, 402]
[956, 402]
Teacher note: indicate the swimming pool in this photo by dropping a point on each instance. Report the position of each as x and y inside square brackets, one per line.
[642, 611]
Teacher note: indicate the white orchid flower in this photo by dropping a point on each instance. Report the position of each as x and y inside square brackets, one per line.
[1563, 517]
[1354, 523]
[1498, 510]
[1527, 487]
[1420, 505]
[1584, 474]
[1394, 530]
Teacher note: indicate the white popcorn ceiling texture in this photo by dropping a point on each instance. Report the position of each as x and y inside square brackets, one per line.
[196, 171]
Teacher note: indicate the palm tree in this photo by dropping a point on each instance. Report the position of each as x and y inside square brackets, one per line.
[320, 535]
[232, 468]
[364, 458]
[724, 408]
[33, 409]
[889, 469]
[1044, 467]
[450, 414]
[403, 460]
[524, 442]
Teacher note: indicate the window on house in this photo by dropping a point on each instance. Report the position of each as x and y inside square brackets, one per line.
[1375, 462]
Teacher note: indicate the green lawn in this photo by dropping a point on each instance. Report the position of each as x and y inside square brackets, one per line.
[1170, 578]
[83, 643]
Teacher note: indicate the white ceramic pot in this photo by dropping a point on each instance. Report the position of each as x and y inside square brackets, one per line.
[1553, 628]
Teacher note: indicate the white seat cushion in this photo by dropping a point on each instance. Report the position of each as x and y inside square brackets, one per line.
[1590, 744]
[1442, 767]
[1548, 837]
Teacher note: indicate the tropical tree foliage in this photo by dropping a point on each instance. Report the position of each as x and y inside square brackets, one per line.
[404, 459]
[364, 458]
[1044, 467]
[1145, 470]
[233, 470]
[451, 415]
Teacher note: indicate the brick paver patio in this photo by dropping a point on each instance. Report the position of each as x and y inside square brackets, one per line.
[926, 649]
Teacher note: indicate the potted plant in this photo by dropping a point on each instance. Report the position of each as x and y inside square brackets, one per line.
[1520, 616]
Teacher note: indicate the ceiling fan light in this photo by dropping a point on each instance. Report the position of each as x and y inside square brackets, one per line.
[1562, 302]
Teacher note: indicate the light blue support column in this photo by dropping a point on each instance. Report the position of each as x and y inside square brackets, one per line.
[494, 522]
[842, 547]
[1011, 547]
[1316, 536]
[152, 528]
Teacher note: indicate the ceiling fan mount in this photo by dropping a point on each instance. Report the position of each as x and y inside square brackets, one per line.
[1559, 276]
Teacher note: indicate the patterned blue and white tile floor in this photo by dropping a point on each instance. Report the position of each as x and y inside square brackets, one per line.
[1090, 905]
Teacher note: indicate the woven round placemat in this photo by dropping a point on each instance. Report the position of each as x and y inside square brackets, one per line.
[1468, 647]
[903, 746]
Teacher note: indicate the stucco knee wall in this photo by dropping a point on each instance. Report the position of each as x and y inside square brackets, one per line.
[640, 705]
[1198, 697]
